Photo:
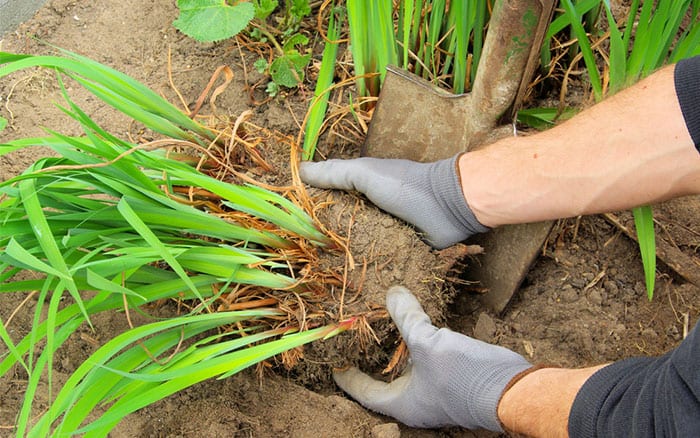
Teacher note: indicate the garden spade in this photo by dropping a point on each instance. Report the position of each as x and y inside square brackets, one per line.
[415, 120]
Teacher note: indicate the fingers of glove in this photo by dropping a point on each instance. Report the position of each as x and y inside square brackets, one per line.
[422, 337]
[410, 318]
[387, 398]
[337, 174]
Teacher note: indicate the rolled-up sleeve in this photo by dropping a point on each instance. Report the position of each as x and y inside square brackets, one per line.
[687, 82]
[642, 397]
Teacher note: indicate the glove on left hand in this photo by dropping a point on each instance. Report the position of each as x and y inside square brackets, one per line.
[452, 379]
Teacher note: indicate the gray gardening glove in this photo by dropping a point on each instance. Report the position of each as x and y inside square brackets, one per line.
[427, 195]
[451, 379]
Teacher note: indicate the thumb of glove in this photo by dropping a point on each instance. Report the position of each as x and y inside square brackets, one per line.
[376, 395]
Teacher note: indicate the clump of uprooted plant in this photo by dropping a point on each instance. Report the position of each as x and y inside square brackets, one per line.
[136, 223]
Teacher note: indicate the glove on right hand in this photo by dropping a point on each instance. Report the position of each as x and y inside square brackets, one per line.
[452, 379]
[427, 195]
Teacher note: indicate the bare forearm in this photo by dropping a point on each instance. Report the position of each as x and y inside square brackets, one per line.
[538, 405]
[629, 150]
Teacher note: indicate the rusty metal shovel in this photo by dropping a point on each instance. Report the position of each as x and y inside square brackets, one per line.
[418, 121]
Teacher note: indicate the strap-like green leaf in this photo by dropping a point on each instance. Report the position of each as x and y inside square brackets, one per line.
[644, 224]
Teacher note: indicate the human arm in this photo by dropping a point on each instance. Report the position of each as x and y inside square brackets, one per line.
[453, 379]
[631, 149]
[634, 148]
[643, 396]
[539, 404]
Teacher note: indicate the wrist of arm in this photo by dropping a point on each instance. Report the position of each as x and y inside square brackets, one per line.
[538, 404]
[606, 158]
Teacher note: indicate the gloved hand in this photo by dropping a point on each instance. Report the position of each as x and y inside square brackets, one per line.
[427, 195]
[451, 379]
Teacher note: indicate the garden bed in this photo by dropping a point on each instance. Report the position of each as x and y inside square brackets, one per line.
[582, 303]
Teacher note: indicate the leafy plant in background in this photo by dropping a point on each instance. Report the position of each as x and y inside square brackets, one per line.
[445, 38]
[215, 20]
[438, 40]
[114, 217]
[372, 43]
[294, 13]
[650, 37]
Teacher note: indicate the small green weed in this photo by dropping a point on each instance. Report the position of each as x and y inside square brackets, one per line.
[216, 20]
[287, 69]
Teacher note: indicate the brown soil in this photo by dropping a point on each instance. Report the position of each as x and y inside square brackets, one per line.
[582, 303]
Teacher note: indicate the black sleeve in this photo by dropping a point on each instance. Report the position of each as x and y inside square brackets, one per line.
[687, 81]
[643, 397]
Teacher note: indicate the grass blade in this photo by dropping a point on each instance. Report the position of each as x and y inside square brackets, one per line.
[45, 238]
[358, 17]
[135, 221]
[223, 365]
[26, 260]
[618, 55]
[134, 93]
[459, 9]
[407, 12]
[644, 224]
[319, 104]
[585, 45]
